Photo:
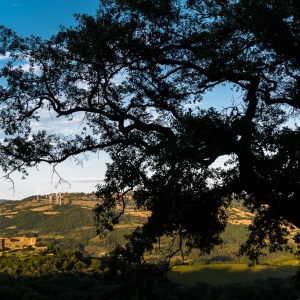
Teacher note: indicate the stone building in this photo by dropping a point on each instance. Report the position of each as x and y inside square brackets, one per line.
[16, 242]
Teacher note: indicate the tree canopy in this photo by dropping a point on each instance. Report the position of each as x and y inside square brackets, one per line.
[131, 72]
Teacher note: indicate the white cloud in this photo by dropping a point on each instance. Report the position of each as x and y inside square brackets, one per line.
[4, 57]
[17, 5]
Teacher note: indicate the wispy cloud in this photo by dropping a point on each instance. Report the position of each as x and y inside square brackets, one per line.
[18, 5]
[4, 57]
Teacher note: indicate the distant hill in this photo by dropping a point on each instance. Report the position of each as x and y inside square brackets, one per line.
[71, 226]
[5, 200]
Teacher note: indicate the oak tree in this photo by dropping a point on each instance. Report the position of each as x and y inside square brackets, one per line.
[168, 54]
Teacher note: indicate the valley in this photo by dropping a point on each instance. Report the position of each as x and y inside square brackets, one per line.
[70, 226]
[66, 247]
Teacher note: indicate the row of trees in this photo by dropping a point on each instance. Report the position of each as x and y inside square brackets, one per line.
[169, 53]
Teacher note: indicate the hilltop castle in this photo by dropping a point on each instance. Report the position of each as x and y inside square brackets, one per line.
[16, 242]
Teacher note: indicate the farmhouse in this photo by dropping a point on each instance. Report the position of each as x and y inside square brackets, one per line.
[16, 242]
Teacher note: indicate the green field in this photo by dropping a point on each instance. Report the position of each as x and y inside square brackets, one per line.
[216, 274]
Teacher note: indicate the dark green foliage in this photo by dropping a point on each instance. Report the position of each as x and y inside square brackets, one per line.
[7, 280]
[8, 293]
[269, 289]
[57, 277]
[296, 281]
[65, 275]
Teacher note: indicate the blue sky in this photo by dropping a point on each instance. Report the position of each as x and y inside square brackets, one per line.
[43, 18]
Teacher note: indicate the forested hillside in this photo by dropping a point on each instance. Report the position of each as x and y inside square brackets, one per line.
[71, 226]
[65, 222]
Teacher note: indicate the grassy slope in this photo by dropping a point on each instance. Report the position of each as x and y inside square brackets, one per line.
[216, 274]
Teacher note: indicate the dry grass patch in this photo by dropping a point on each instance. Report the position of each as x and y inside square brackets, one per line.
[82, 203]
[50, 212]
[137, 213]
[242, 213]
[42, 208]
[133, 226]
[85, 207]
[20, 207]
[240, 222]
[85, 227]
[33, 203]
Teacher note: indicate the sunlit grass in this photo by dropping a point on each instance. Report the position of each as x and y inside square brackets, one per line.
[224, 273]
